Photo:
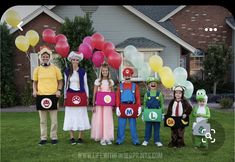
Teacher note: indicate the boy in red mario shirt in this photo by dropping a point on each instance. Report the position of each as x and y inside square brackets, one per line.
[127, 93]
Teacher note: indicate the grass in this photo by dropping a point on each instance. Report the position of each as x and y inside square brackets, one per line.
[20, 135]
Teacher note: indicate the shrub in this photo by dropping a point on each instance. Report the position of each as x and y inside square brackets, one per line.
[27, 98]
[226, 103]
[8, 95]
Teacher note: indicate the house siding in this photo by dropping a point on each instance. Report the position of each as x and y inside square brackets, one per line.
[117, 24]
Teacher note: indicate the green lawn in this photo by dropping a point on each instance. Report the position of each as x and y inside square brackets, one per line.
[20, 137]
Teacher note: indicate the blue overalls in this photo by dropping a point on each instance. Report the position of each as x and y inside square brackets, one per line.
[152, 103]
[126, 98]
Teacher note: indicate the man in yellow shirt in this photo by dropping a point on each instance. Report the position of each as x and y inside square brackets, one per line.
[47, 80]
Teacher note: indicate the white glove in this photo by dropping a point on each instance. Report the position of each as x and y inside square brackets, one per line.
[139, 111]
[118, 113]
[163, 116]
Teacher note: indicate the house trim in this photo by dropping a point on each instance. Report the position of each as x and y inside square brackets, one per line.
[172, 13]
[160, 28]
[37, 12]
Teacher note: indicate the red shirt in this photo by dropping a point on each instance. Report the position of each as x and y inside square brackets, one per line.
[127, 85]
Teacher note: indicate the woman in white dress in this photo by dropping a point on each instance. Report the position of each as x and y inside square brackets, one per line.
[76, 96]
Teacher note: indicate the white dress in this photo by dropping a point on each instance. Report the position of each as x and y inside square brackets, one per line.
[76, 118]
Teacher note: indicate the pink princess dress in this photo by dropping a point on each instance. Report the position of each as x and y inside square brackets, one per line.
[102, 127]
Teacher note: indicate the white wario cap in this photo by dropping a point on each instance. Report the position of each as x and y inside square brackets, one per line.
[178, 88]
[74, 55]
[43, 50]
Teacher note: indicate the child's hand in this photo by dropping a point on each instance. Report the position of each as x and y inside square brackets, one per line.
[142, 117]
[118, 113]
[199, 115]
[93, 109]
[184, 116]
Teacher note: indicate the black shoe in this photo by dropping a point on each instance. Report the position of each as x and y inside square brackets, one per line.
[117, 143]
[79, 141]
[42, 142]
[54, 142]
[72, 141]
[137, 144]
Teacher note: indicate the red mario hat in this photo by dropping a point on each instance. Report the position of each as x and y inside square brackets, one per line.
[127, 72]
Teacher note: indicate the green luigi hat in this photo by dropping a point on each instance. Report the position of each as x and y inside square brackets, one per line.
[151, 79]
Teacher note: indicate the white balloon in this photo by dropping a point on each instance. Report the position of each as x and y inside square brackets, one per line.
[180, 75]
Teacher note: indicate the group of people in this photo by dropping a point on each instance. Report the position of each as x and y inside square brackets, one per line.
[49, 84]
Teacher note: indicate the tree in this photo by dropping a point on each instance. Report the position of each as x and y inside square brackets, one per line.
[8, 95]
[217, 61]
[75, 30]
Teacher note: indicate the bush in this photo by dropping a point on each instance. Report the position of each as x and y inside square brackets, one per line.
[27, 98]
[226, 103]
[8, 94]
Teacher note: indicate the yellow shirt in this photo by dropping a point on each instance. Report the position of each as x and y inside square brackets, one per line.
[47, 78]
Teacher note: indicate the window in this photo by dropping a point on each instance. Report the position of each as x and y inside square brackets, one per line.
[196, 66]
[33, 63]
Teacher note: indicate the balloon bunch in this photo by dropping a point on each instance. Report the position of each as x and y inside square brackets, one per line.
[165, 72]
[181, 75]
[137, 59]
[96, 49]
[23, 43]
[61, 44]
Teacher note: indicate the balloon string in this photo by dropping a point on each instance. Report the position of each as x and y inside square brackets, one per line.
[116, 74]
[146, 86]
[66, 65]
[95, 71]
[27, 55]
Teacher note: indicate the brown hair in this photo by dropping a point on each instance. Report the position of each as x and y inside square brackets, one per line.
[104, 65]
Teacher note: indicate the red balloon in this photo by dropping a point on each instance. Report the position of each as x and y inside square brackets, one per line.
[114, 60]
[62, 48]
[87, 40]
[107, 52]
[86, 50]
[48, 36]
[107, 47]
[97, 41]
[60, 37]
[98, 58]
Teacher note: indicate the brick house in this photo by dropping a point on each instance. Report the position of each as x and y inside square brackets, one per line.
[39, 20]
[173, 32]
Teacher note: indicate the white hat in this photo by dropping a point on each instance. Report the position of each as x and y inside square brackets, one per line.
[178, 88]
[43, 50]
[73, 55]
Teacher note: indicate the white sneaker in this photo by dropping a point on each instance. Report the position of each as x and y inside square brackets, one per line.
[159, 144]
[109, 142]
[145, 143]
[102, 142]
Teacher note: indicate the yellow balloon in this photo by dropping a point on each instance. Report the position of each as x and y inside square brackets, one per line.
[22, 43]
[12, 18]
[33, 37]
[155, 62]
[165, 71]
[168, 81]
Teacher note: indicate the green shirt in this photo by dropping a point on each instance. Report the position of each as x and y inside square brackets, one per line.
[208, 114]
[153, 93]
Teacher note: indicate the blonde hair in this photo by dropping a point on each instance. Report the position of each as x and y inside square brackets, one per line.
[105, 65]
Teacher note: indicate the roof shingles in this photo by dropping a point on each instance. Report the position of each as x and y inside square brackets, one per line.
[139, 42]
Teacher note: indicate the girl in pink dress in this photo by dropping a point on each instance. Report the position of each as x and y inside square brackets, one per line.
[102, 128]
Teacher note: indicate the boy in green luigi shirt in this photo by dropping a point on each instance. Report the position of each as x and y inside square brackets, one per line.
[154, 102]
